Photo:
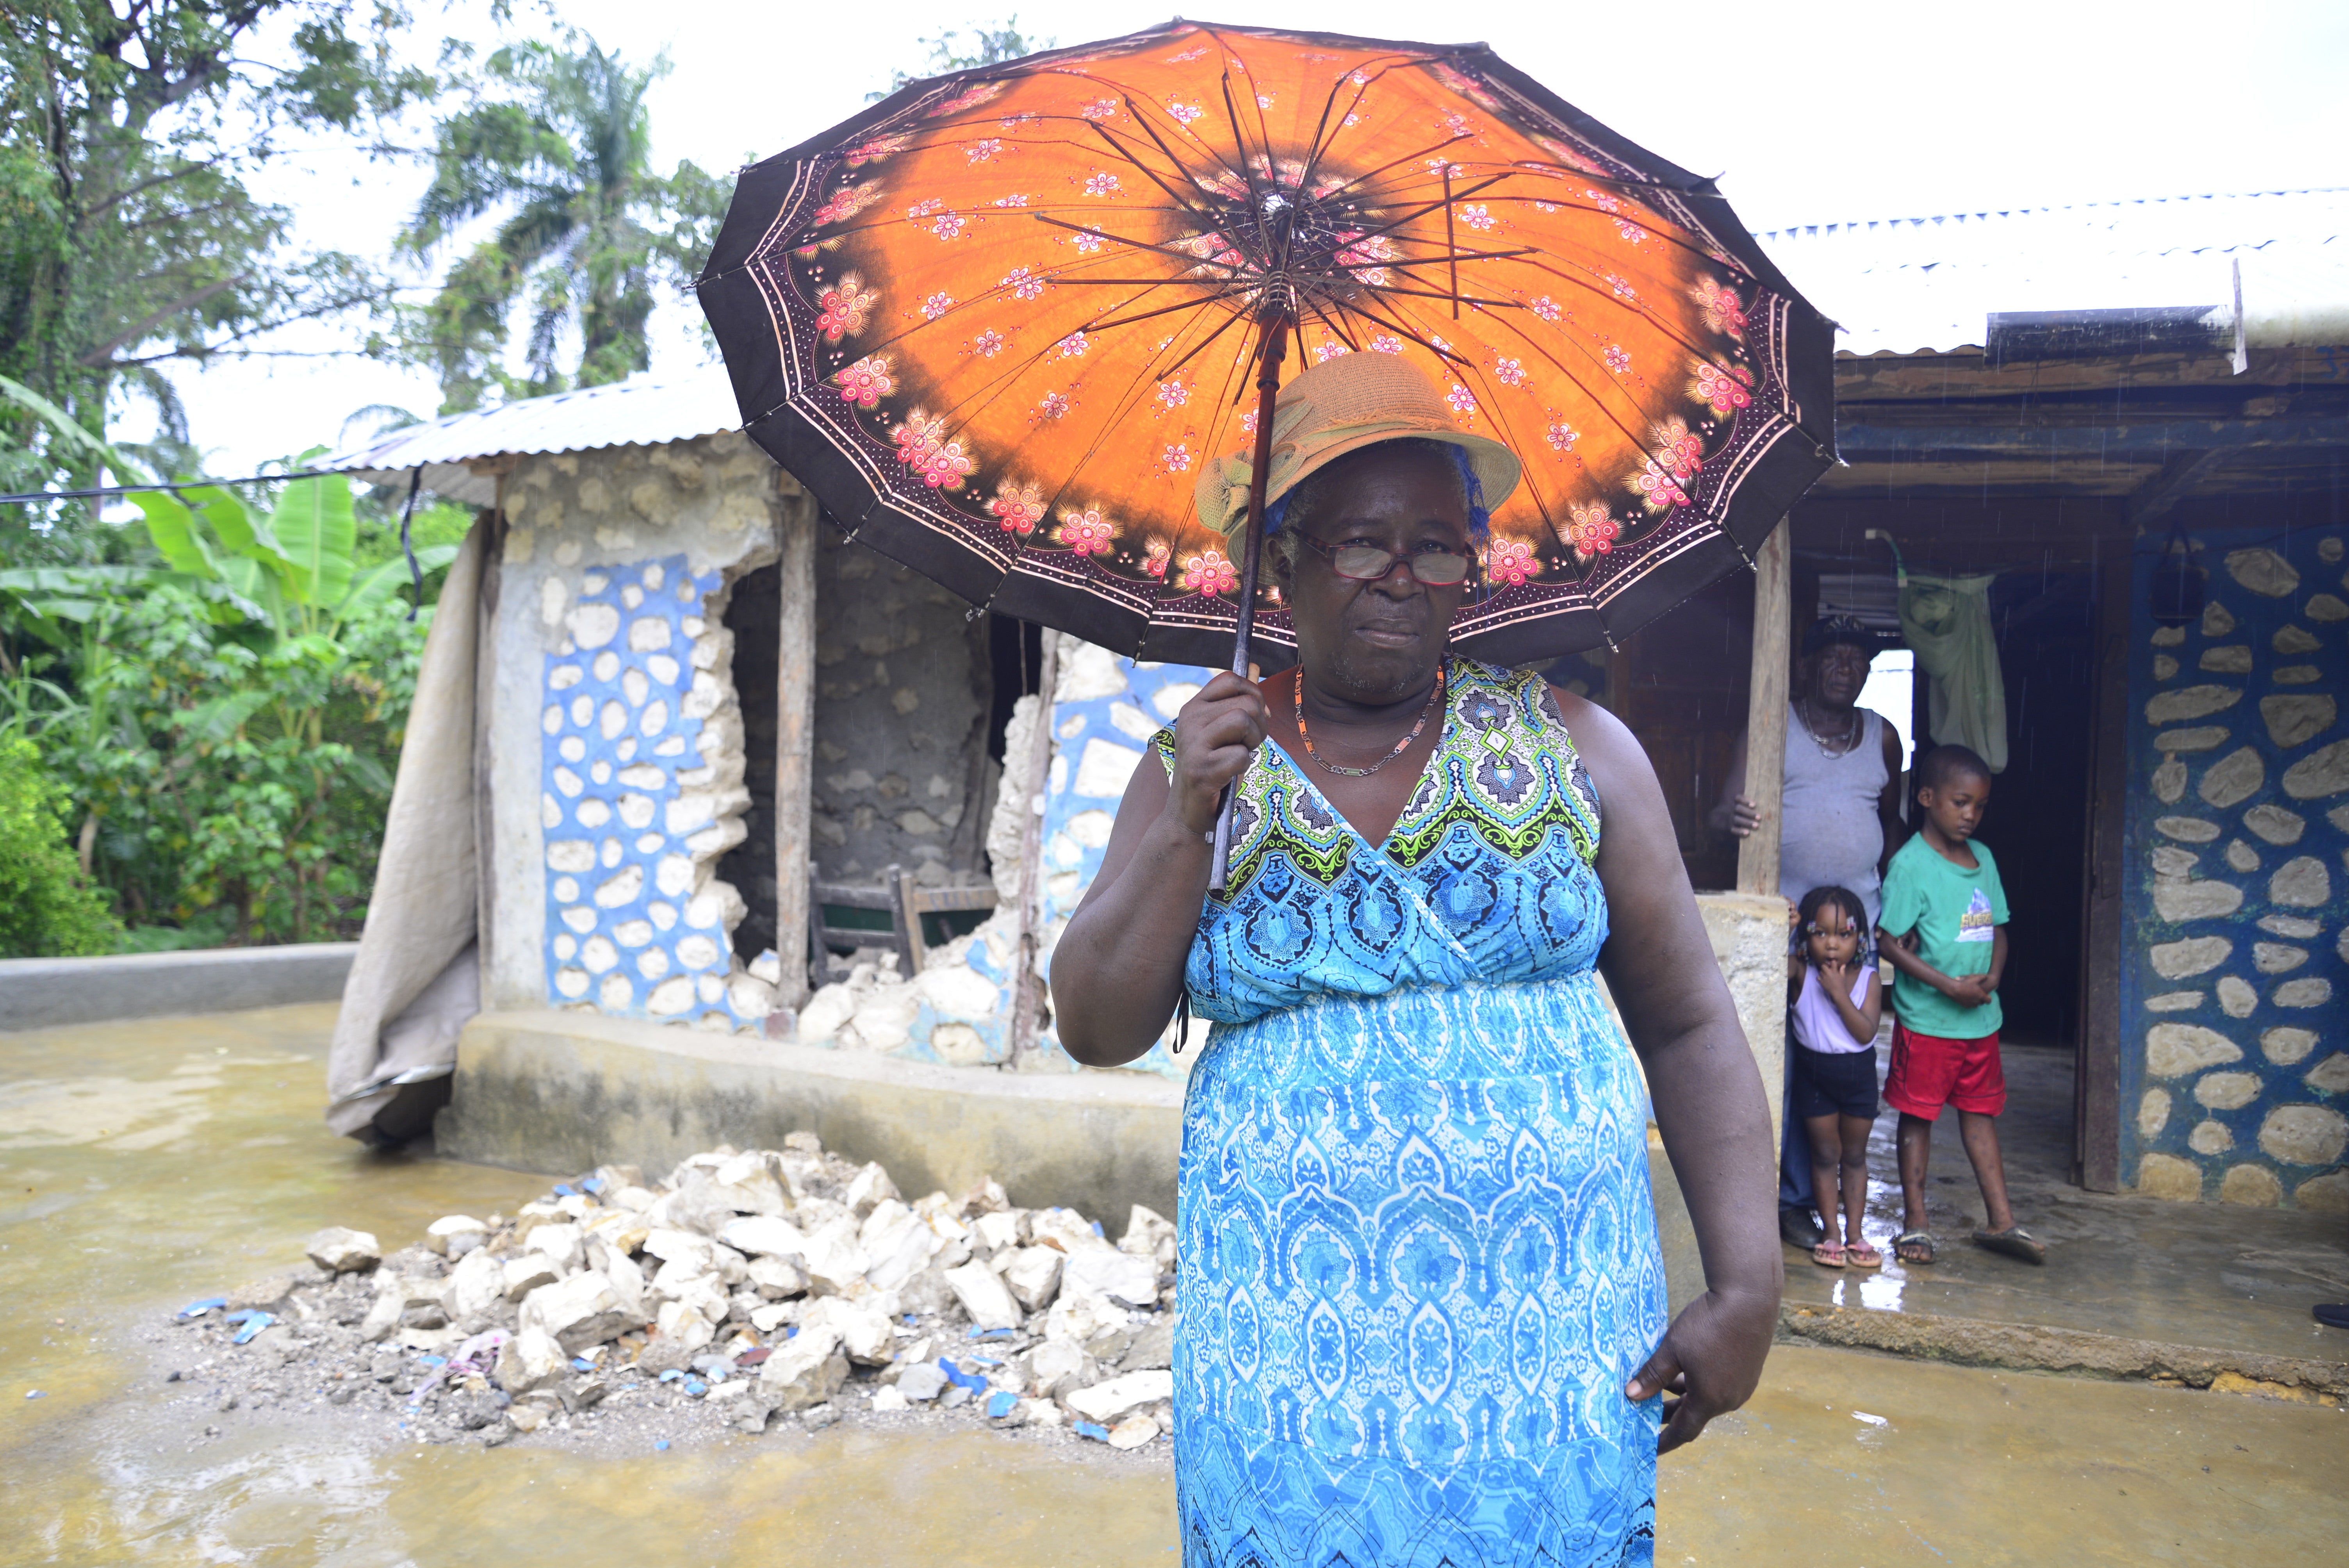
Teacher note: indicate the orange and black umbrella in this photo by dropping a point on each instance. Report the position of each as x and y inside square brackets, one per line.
[1000, 322]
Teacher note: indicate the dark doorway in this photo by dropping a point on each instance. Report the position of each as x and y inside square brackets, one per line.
[2045, 623]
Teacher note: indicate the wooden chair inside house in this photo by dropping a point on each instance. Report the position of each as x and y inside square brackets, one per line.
[897, 912]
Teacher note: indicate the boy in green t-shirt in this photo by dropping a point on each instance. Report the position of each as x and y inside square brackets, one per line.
[1944, 931]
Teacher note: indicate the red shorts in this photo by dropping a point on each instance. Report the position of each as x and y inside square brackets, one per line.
[1929, 1072]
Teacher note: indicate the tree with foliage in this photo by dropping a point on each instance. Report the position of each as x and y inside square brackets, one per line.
[47, 909]
[130, 235]
[559, 141]
[991, 44]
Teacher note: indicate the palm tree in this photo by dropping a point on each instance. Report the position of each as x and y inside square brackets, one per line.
[560, 144]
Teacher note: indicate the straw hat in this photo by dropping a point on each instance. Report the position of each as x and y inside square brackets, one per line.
[1341, 406]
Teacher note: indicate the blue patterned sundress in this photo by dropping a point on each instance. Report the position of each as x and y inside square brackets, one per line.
[1418, 1254]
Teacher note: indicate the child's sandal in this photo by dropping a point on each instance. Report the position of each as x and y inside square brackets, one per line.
[1860, 1255]
[1913, 1246]
[1828, 1254]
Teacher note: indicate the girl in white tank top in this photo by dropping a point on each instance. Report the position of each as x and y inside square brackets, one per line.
[1837, 1001]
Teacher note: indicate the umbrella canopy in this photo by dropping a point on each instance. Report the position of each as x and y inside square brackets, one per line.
[1000, 321]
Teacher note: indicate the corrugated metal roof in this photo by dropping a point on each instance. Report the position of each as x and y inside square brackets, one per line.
[1911, 285]
[639, 411]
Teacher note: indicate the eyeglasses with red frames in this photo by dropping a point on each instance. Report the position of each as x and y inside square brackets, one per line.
[1369, 563]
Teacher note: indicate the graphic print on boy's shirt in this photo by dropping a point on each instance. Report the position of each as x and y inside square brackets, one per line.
[1977, 924]
[1952, 913]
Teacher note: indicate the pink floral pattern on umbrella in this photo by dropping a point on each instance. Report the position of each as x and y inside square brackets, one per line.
[1210, 571]
[866, 382]
[1724, 312]
[845, 203]
[1591, 529]
[1513, 562]
[922, 446]
[1155, 557]
[1723, 388]
[1086, 532]
[841, 309]
[1018, 507]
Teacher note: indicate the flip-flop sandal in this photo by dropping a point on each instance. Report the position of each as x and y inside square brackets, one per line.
[1913, 1247]
[2014, 1241]
[1860, 1255]
[1828, 1254]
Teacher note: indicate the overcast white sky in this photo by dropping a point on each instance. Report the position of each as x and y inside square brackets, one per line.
[1806, 111]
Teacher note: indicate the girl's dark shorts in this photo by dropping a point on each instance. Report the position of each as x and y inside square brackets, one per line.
[1834, 1083]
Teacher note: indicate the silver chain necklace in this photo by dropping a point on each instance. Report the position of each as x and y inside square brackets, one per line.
[1847, 741]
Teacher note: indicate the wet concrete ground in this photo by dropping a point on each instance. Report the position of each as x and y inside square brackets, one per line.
[145, 1163]
[2206, 1275]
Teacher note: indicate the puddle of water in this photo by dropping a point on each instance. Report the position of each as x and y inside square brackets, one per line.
[144, 1164]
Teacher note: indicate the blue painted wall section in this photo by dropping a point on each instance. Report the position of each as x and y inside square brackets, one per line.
[2235, 961]
[626, 932]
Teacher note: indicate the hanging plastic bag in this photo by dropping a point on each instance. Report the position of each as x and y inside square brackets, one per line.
[1946, 619]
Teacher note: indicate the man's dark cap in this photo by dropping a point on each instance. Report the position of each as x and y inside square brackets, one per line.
[1840, 629]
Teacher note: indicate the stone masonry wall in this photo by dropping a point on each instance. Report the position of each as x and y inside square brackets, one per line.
[2236, 955]
[613, 677]
[902, 690]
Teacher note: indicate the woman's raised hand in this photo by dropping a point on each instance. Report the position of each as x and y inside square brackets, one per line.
[1216, 734]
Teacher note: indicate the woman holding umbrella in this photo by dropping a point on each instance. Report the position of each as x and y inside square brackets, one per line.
[1422, 1305]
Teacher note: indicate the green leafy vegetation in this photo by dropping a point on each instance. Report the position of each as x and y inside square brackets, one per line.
[558, 142]
[47, 910]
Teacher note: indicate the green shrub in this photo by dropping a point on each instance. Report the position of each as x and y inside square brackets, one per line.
[47, 909]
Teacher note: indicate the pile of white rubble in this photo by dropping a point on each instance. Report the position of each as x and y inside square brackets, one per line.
[747, 1288]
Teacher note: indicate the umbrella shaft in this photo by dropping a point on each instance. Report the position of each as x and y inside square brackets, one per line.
[1267, 388]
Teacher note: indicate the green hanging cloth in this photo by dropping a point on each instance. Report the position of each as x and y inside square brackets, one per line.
[1946, 620]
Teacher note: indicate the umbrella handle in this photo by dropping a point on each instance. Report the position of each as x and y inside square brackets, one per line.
[1268, 385]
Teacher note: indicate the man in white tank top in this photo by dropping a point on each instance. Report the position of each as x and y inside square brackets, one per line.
[1839, 817]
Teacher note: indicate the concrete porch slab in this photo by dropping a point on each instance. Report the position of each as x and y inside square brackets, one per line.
[2159, 1275]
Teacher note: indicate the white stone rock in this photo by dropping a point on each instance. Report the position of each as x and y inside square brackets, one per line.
[2323, 772]
[777, 1276]
[2234, 659]
[2326, 607]
[2299, 718]
[2233, 778]
[382, 1318]
[1120, 1276]
[1000, 1228]
[2297, 928]
[834, 1262]
[2152, 1112]
[593, 626]
[2195, 956]
[2186, 830]
[2211, 1137]
[898, 1244]
[868, 1190]
[685, 1325]
[627, 1278]
[2303, 1134]
[2174, 1050]
[1106, 1401]
[2168, 636]
[2277, 958]
[2173, 862]
[2302, 883]
[338, 1249]
[2330, 1076]
[531, 1360]
[2235, 997]
[2263, 571]
[476, 1286]
[2275, 825]
[2240, 857]
[576, 1311]
[1134, 1432]
[2227, 1092]
[1067, 1230]
[750, 1185]
[2191, 702]
[2217, 619]
[956, 990]
[861, 1327]
[442, 1234]
[1078, 1318]
[1033, 1276]
[2169, 781]
[765, 1235]
[2293, 640]
[2176, 899]
[1148, 1233]
[2174, 1002]
[983, 1296]
[565, 1243]
[2285, 1046]
[1104, 769]
[2304, 994]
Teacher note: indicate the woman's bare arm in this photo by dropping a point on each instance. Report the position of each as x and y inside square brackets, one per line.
[1118, 969]
[1710, 1104]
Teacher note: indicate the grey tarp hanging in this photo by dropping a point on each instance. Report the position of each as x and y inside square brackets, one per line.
[415, 980]
[1946, 620]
